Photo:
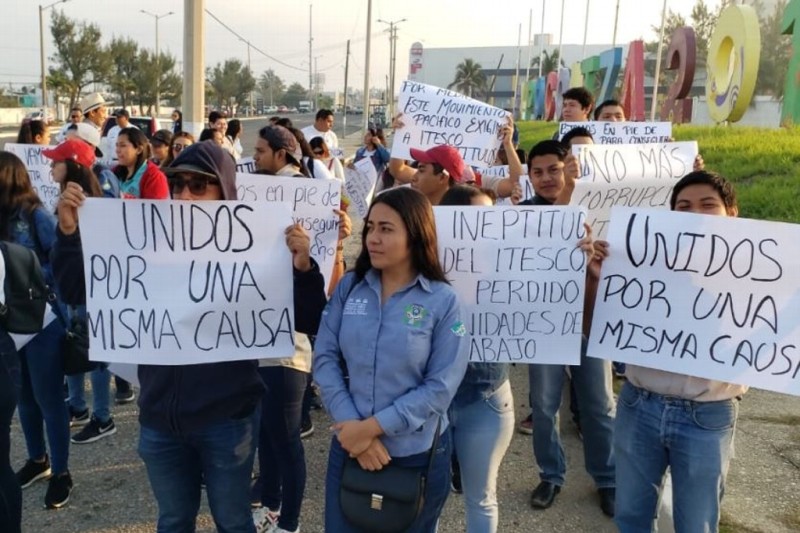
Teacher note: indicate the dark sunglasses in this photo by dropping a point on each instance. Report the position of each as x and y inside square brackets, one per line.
[197, 184]
[319, 152]
[178, 146]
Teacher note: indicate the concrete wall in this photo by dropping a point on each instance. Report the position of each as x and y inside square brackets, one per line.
[764, 112]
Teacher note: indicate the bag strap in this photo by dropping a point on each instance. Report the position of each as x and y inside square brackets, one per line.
[432, 453]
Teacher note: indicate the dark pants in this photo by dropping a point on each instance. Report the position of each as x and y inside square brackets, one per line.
[281, 457]
[220, 454]
[436, 490]
[10, 493]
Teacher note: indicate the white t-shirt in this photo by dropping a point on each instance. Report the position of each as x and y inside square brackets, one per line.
[320, 170]
[329, 136]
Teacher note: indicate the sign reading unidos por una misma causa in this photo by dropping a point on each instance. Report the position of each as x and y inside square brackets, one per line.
[176, 283]
[707, 296]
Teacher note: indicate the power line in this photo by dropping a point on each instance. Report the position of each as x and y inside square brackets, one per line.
[251, 45]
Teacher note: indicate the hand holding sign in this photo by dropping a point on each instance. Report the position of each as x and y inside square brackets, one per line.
[71, 199]
[300, 246]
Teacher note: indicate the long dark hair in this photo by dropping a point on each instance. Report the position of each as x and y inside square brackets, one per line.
[139, 140]
[82, 176]
[234, 129]
[178, 123]
[376, 132]
[30, 130]
[416, 213]
[16, 191]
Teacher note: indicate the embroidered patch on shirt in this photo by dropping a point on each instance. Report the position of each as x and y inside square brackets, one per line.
[355, 306]
[459, 329]
[415, 314]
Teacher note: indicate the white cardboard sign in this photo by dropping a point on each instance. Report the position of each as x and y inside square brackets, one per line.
[311, 201]
[359, 185]
[631, 175]
[39, 172]
[622, 132]
[521, 278]
[433, 116]
[176, 283]
[707, 296]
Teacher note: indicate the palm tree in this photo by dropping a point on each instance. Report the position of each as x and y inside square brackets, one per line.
[470, 79]
[550, 63]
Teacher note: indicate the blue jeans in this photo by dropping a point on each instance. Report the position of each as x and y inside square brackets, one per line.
[221, 454]
[481, 432]
[41, 400]
[436, 491]
[592, 379]
[10, 493]
[695, 439]
[281, 456]
[101, 392]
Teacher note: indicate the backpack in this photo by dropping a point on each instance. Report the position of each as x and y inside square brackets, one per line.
[25, 293]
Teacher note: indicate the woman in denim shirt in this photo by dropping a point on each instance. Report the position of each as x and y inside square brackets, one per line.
[398, 328]
[481, 417]
[25, 221]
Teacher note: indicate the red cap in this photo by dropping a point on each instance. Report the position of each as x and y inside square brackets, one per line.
[445, 155]
[73, 149]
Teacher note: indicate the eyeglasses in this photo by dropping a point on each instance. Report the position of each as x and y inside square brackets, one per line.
[197, 184]
[178, 146]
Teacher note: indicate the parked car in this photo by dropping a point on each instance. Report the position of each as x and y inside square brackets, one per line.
[282, 109]
[271, 110]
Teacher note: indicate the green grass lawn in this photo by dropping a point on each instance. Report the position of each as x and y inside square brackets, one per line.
[763, 163]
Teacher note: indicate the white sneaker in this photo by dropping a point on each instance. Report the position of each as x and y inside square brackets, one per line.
[265, 520]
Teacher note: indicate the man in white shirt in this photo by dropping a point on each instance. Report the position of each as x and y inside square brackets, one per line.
[123, 121]
[323, 127]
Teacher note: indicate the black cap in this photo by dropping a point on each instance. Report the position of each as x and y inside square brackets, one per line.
[162, 136]
[122, 113]
[207, 158]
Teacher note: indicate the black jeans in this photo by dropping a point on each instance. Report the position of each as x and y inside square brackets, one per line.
[10, 493]
[281, 457]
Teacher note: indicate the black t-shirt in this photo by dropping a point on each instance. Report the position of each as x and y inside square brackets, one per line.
[536, 200]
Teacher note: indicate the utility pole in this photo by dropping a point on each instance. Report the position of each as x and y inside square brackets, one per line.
[392, 62]
[365, 105]
[585, 30]
[346, 72]
[541, 44]
[310, 51]
[194, 95]
[654, 103]
[251, 73]
[158, 59]
[616, 19]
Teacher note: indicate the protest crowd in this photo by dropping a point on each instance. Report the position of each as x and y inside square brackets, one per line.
[475, 255]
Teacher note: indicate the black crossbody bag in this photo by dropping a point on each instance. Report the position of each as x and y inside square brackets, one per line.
[387, 500]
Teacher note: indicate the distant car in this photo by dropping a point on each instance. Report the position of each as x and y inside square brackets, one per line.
[271, 109]
[37, 115]
[304, 110]
[292, 110]
[282, 109]
[149, 125]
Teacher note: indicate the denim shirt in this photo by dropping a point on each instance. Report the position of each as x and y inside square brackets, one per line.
[480, 382]
[405, 359]
[21, 229]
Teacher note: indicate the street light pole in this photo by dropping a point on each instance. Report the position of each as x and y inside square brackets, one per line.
[158, 59]
[365, 103]
[392, 60]
[41, 55]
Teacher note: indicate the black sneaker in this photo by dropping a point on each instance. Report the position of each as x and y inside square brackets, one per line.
[78, 418]
[58, 491]
[306, 428]
[125, 395]
[95, 430]
[33, 472]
